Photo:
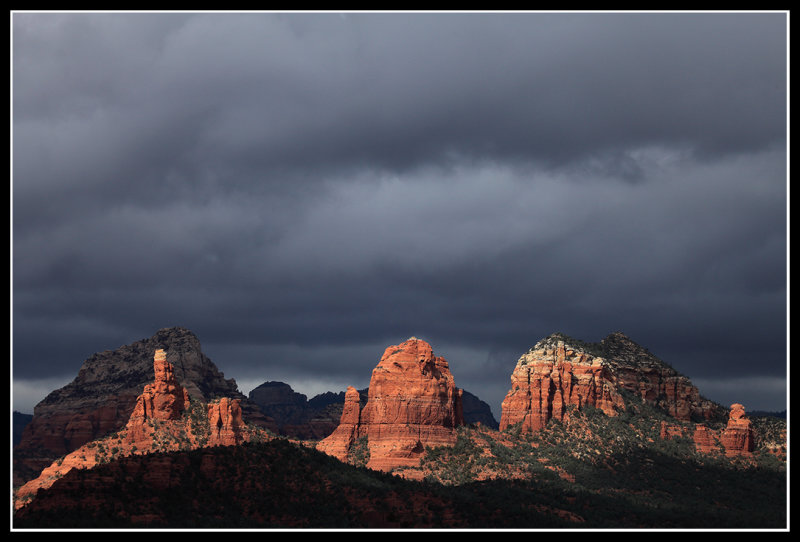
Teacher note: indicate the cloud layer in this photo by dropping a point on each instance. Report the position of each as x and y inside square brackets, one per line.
[302, 190]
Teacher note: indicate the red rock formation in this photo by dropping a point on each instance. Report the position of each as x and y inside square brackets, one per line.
[339, 442]
[156, 424]
[661, 386]
[634, 368]
[549, 378]
[706, 440]
[670, 431]
[737, 437]
[559, 372]
[225, 422]
[164, 399]
[101, 398]
[413, 403]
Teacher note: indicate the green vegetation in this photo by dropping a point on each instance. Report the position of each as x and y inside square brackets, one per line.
[453, 465]
[358, 455]
[198, 421]
[623, 472]
[590, 471]
[278, 484]
[595, 349]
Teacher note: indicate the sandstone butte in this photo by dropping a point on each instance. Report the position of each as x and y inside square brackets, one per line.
[559, 373]
[412, 403]
[164, 419]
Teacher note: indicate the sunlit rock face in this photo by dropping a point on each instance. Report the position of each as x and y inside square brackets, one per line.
[551, 377]
[413, 403]
[163, 419]
[104, 394]
[560, 373]
[737, 437]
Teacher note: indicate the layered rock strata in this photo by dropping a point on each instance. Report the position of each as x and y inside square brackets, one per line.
[735, 439]
[164, 399]
[316, 418]
[706, 440]
[164, 419]
[102, 397]
[550, 378]
[635, 369]
[559, 373]
[670, 431]
[339, 442]
[412, 403]
[225, 422]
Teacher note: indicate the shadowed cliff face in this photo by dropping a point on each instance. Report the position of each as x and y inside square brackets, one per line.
[103, 395]
[634, 368]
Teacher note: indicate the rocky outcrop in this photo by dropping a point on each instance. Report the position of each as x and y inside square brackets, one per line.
[560, 373]
[670, 431]
[164, 419]
[225, 422]
[103, 395]
[339, 442]
[318, 417]
[637, 370]
[737, 437]
[280, 402]
[164, 399]
[706, 440]
[413, 403]
[550, 378]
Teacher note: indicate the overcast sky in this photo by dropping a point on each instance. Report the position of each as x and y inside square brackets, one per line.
[303, 190]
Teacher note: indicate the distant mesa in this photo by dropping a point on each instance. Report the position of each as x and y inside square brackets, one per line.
[19, 421]
[295, 416]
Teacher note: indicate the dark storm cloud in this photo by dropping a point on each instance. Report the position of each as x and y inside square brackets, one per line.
[304, 190]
